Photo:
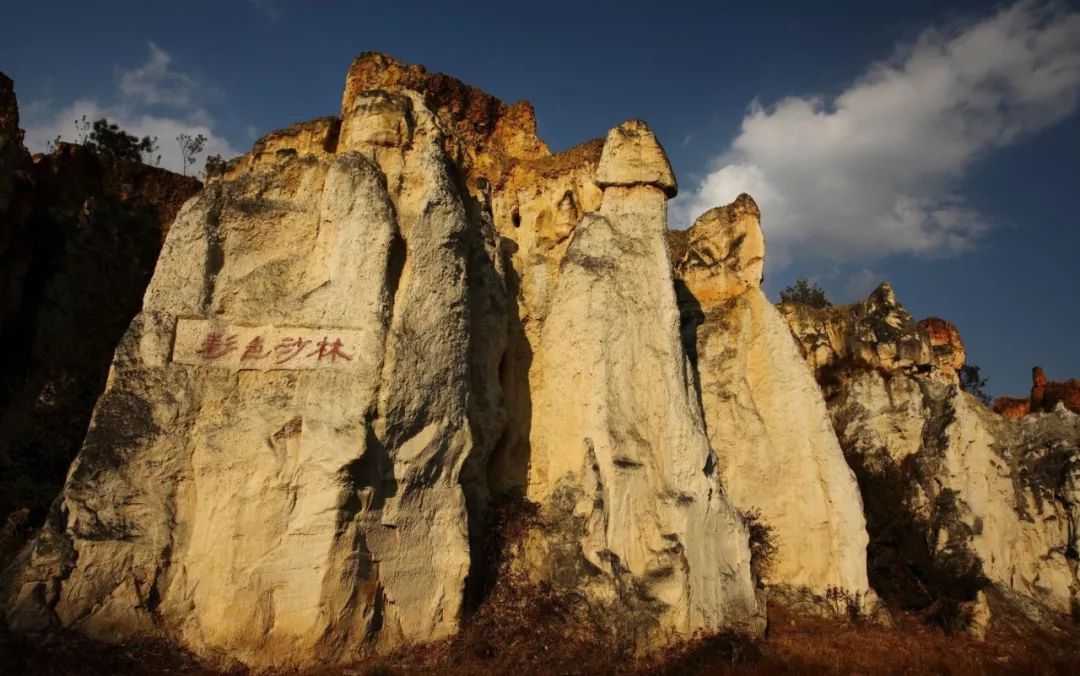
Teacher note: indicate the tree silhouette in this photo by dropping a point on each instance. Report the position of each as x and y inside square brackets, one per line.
[804, 292]
[107, 138]
[190, 146]
[972, 382]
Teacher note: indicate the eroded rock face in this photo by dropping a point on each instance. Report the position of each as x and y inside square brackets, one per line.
[369, 325]
[945, 343]
[617, 437]
[1011, 407]
[956, 497]
[317, 507]
[777, 453]
[875, 333]
[632, 157]
[1046, 395]
[723, 254]
[354, 335]
[995, 498]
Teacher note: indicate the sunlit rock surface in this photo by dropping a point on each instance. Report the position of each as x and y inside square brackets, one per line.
[355, 335]
[778, 454]
[371, 325]
[956, 497]
[1046, 395]
[617, 434]
[299, 513]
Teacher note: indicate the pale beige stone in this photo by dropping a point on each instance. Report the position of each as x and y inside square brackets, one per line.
[617, 435]
[633, 156]
[723, 254]
[283, 518]
[876, 333]
[995, 497]
[777, 452]
[287, 517]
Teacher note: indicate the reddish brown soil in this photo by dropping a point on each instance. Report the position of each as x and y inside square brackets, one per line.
[795, 644]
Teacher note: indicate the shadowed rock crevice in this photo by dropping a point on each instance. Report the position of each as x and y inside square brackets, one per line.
[403, 378]
[956, 505]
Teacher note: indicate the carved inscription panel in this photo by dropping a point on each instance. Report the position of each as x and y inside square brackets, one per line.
[205, 342]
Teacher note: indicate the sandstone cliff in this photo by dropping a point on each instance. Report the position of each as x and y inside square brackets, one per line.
[292, 410]
[354, 335]
[778, 455]
[369, 329]
[958, 500]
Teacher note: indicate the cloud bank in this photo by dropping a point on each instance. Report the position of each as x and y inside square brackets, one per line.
[150, 100]
[874, 171]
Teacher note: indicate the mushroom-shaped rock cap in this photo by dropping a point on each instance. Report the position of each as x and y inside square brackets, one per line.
[633, 156]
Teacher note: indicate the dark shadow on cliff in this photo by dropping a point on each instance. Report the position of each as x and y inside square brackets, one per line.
[85, 234]
[68, 654]
[508, 469]
[498, 368]
[691, 316]
[904, 564]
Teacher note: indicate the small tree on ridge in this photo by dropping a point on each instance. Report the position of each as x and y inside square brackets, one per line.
[107, 138]
[805, 292]
[973, 382]
[190, 146]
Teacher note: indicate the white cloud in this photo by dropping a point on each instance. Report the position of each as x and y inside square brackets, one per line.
[151, 85]
[154, 83]
[166, 130]
[874, 171]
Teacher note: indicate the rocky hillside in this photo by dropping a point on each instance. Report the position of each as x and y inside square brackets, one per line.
[404, 375]
[79, 237]
[960, 503]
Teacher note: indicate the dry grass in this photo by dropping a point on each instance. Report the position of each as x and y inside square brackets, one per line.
[64, 654]
[521, 628]
[542, 639]
[800, 644]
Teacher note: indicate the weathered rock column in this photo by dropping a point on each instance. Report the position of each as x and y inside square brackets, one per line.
[274, 472]
[619, 451]
[767, 421]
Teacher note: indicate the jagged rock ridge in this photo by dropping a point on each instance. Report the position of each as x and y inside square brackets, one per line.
[369, 325]
[1046, 395]
[959, 501]
[353, 336]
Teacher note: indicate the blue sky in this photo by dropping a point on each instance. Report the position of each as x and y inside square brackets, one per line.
[936, 147]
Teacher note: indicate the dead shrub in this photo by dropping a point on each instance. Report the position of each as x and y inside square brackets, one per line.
[763, 545]
[845, 603]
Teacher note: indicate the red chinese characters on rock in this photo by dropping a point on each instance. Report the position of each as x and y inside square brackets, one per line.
[290, 348]
[324, 348]
[254, 350]
[216, 345]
